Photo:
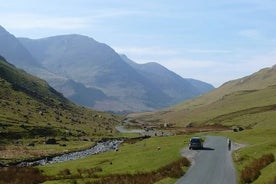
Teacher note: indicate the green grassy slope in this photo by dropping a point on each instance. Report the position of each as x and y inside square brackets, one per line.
[31, 112]
[256, 90]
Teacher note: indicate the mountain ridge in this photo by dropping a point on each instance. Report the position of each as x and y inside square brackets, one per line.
[118, 80]
[92, 74]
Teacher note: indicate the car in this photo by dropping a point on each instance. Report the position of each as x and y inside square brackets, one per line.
[196, 143]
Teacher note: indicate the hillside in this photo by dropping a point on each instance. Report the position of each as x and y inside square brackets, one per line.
[239, 98]
[31, 112]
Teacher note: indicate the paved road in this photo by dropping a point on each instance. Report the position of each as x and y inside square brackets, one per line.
[212, 165]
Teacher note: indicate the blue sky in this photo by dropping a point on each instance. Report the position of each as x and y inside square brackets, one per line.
[210, 40]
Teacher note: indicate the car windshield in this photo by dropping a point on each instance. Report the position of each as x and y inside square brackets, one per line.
[195, 140]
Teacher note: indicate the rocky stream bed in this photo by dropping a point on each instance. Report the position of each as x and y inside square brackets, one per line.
[100, 147]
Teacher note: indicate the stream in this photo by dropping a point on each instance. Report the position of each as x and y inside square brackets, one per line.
[98, 148]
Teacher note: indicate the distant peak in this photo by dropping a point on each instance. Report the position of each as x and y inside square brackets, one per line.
[3, 30]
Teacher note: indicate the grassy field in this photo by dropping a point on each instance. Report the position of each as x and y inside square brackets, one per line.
[142, 156]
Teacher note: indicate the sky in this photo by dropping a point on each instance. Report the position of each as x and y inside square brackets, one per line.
[210, 40]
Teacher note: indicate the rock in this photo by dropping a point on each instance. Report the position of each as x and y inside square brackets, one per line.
[51, 141]
[31, 144]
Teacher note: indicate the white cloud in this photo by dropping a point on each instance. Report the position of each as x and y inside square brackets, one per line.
[208, 51]
[251, 34]
[31, 21]
[14, 20]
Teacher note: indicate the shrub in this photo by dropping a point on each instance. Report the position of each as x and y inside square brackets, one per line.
[21, 175]
[65, 173]
[251, 172]
[173, 170]
[273, 181]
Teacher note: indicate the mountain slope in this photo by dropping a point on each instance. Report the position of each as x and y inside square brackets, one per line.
[21, 81]
[9, 45]
[31, 112]
[238, 98]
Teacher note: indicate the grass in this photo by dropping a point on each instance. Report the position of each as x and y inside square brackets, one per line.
[140, 157]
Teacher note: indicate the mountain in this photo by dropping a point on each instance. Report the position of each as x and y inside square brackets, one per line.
[94, 64]
[246, 97]
[9, 45]
[97, 65]
[92, 74]
[174, 86]
[12, 49]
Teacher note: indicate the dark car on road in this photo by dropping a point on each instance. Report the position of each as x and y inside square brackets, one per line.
[196, 143]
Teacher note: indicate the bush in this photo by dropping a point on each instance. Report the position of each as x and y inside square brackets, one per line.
[21, 175]
[173, 170]
[251, 172]
[65, 173]
[273, 181]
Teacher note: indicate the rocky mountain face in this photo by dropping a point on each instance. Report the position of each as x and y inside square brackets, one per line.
[93, 74]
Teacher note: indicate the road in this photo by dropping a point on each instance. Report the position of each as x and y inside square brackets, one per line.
[122, 129]
[211, 165]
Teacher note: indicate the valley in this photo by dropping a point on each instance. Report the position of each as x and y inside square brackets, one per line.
[38, 122]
